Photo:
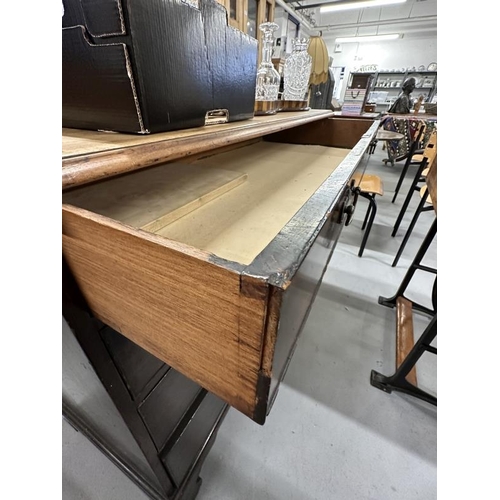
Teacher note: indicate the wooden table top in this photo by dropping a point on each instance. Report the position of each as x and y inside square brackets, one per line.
[388, 135]
[89, 155]
[372, 116]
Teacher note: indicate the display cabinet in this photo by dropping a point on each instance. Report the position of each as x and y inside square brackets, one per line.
[385, 86]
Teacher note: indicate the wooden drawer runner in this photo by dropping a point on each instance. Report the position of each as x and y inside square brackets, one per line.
[204, 293]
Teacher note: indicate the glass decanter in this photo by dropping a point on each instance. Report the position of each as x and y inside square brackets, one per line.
[268, 79]
[297, 71]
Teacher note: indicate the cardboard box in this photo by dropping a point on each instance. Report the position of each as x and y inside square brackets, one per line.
[145, 66]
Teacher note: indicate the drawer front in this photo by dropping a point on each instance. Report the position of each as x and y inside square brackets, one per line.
[299, 297]
[169, 401]
[196, 435]
[139, 369]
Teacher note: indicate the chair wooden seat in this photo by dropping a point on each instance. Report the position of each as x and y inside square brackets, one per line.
[404, 335]
[369, 183]
[369, 186]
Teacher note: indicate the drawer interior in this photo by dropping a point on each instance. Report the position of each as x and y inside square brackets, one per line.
[258, 189]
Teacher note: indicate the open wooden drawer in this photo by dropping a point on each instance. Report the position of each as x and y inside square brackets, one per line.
[222, 293]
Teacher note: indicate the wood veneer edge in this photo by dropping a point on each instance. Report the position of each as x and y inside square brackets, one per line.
[82, 169]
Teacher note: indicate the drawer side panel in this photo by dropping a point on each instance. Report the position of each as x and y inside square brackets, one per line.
[188, 312]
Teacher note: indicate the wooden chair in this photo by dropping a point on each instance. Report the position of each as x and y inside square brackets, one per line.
[426, 159]
[425, 205]
[408, 352]
[415, 155]
[368, 186]
[429, 151]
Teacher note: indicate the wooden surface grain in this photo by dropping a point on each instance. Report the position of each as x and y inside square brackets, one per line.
[88, 156]
[334, 132]
[159, 296]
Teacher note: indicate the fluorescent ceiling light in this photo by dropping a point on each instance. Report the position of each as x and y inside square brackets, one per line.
[358, 5]
[373, 38]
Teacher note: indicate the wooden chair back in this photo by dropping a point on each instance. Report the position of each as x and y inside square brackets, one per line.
[430, 150]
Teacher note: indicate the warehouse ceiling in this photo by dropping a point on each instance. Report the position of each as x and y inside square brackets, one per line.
[413, 18]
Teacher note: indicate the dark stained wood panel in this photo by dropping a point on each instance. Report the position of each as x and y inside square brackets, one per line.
[137, 367]
[165, 406]
[334, 132]
[183, 453]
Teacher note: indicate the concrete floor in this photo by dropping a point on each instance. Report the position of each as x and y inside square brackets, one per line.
[330, 434]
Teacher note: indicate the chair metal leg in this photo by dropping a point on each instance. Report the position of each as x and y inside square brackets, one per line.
[419, 210]
[366, 217]
[406, 166]
[373, 211]
[416, 265]
[413, 187]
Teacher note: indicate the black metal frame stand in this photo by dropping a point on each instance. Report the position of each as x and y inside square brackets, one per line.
[421, 208]
[372, 146]
[414, 187]
[397, 381]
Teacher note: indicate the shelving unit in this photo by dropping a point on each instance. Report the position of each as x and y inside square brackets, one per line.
[385, 86]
